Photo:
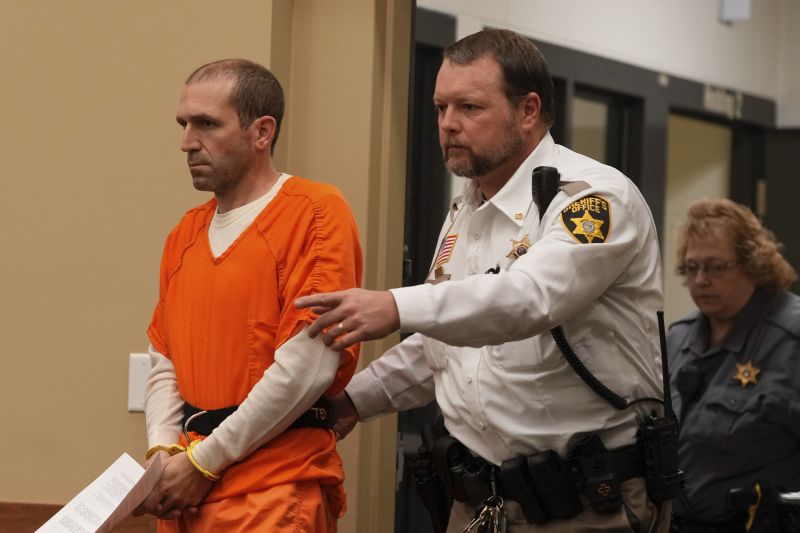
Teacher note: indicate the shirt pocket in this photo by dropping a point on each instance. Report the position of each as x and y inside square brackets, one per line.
[599, 352]
[740, 421]
[522, 355]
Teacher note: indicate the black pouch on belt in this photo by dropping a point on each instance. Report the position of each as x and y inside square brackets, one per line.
[449, 458]
[430, 489]
[477, 483]
[601, 482]
[518, 486]
[553, 483]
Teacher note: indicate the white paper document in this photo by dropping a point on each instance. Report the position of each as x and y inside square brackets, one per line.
[107, 500]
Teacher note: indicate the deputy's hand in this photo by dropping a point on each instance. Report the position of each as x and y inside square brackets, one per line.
[351, 316]
[180, 489]
[345, 416]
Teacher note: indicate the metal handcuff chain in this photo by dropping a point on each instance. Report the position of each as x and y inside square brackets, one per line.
[189, 421]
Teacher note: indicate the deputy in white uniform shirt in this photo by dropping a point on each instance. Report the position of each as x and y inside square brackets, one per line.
[482, 347]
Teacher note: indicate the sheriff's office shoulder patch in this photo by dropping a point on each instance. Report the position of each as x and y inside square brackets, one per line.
[588, 220]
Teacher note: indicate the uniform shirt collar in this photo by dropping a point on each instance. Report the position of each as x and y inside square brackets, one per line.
[735, 339]
[746, 320]
[514, 198]
[697, 340]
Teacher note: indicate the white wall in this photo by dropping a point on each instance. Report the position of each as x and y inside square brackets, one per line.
[679, 37]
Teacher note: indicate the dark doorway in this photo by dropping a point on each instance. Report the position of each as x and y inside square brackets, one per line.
[427, 198]
[782, 178]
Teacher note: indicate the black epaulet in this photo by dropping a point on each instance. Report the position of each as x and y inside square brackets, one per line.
[691, 318]
[786, 313]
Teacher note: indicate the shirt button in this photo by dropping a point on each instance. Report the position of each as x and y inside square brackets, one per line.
[469, 379]
[481, 425]
[476, 236]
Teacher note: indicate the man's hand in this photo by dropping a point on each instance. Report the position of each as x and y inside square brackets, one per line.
[345, 416]
[351, 316]
[180, 489]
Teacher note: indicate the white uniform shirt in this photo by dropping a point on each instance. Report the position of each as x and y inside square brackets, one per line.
[483, 341]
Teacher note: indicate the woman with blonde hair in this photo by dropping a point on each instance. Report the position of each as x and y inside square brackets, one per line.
[735, 373]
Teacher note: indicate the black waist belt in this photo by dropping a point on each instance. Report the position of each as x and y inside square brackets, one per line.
[319, 416]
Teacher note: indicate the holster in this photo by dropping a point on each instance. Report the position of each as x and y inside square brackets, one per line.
[449, 457]
[430, 488]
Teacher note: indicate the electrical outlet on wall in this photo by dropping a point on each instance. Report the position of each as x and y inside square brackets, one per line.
[734, 10]
[138, 371]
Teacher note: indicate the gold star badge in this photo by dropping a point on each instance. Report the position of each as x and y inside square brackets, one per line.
[746, 374]
[588, 227]
[519, 247]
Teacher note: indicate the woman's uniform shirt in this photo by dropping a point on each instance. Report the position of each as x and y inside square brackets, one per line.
[739, 402]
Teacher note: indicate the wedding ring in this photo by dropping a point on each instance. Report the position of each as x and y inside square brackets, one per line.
[341, 328]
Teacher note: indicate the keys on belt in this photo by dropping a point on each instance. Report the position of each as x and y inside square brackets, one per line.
[490, 516]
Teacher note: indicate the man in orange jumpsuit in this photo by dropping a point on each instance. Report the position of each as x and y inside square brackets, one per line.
[227, 341]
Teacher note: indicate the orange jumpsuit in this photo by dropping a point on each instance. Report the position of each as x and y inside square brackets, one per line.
[220, 320]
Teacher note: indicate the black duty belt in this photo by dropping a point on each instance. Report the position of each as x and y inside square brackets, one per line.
[627, 463]
[318, 416]
[545, 485]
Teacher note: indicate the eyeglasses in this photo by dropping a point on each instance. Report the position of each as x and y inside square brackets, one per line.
[712, 269]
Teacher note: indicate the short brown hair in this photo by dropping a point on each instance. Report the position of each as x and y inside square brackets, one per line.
[256, 91]
[524, 68]
[757, 251]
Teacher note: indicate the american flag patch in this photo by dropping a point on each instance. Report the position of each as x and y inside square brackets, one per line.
[445, 250]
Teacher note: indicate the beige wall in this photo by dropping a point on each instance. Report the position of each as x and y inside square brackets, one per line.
[348, 109]
[698, 166]
[589, 127]
[93, 180]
